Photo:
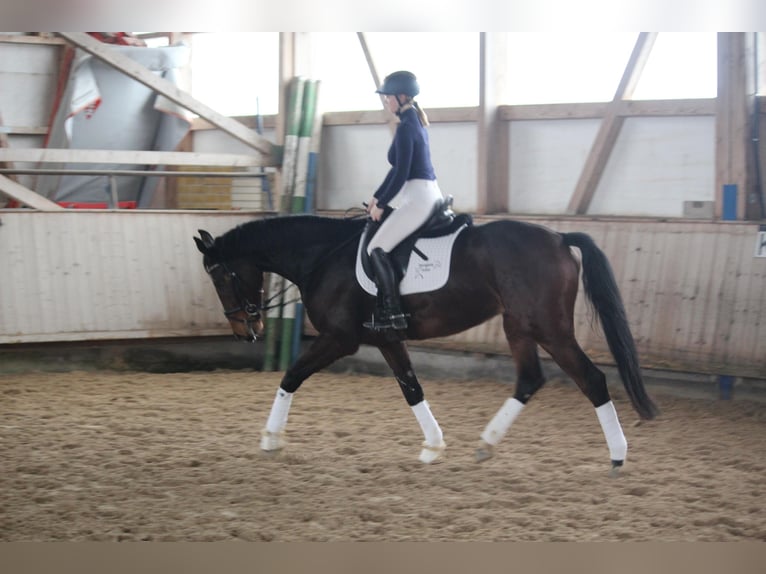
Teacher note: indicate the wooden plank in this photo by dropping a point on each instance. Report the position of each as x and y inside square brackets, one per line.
[668, 108]
[143, 75]
[269, 122]
[132, 157]
[391, 120]
[22, 130]
[610, 127]
[21, 39]
[369, 117]
[574, 111]
[26, 196]
[597, 110]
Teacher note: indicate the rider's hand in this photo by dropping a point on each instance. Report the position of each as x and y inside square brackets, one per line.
[373, 210]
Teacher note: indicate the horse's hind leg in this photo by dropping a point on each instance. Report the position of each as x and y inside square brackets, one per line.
[397, 357]
[529, 380]
[592, 382]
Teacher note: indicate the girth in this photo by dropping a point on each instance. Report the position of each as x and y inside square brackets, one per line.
[442, 221]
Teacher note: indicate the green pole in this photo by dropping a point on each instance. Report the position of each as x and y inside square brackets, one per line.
[273, 322]
[297, 205]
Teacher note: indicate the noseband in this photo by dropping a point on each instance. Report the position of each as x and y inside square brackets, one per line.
[252, 310]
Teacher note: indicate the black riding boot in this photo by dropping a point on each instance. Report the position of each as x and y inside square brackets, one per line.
[388, 313]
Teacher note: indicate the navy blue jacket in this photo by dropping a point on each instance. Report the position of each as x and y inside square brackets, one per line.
[409, 156]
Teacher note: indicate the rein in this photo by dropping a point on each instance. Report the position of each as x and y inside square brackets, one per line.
[281, 292]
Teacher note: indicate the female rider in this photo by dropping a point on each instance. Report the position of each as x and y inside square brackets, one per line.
[412, 181]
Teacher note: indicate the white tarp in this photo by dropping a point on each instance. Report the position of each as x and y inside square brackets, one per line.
[102, 108]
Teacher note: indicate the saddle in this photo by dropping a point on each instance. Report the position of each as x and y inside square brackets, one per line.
[442, 221]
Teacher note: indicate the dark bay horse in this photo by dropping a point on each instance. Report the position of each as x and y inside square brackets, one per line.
[523, 271]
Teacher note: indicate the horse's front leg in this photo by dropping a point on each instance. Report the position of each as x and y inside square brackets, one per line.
[324, 351]
[398, 359]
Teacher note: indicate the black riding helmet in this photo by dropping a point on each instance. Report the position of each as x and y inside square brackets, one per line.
[401, 82]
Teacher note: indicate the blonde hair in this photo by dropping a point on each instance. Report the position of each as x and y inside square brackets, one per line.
[411, 103]
[421, 114]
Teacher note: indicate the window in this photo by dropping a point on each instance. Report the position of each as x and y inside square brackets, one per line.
[585, 67]
[233, 72]
[237, 72]
[550, 68]
[681, 65]
[446, 64]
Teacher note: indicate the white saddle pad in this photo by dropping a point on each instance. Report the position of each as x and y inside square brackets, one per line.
[422, 275]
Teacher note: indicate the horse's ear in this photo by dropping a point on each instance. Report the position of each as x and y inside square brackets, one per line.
[206, 242]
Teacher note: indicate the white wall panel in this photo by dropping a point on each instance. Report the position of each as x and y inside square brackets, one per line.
[656, 165]
[546, 159]
[106, 275]
[353, 163]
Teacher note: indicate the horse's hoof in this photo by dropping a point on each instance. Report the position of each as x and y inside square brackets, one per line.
[616, 466]
[272, 441]
[431, 454]
[484, 451]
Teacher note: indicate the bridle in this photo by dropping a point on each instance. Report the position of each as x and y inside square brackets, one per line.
[252, 310]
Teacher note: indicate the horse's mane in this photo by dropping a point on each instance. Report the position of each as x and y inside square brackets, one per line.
[285, 233]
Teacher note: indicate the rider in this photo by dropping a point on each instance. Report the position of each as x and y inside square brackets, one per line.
[412, 180]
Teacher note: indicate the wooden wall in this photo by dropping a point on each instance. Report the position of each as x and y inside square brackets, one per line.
[89, 275]
[693, 290]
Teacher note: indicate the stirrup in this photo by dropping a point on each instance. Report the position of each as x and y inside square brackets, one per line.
[397, 322]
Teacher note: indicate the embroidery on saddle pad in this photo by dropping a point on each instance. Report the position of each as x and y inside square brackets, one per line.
[422, 275]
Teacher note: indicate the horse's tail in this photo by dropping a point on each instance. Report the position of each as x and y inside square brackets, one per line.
[604, 295]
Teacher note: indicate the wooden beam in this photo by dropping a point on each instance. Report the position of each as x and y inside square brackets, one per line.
[269, 122]
[370, 117]
[597, 110]
[610, 126]
[23, 130]
[21, 39]
[391, 120]
[26, 196]
[668, 108]
[574, 111]
[160, 85]
[131, 157]
[736, 103]
[4, 145]
[493, 178]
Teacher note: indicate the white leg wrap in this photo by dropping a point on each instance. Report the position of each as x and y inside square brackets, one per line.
[502, 421]
[431, 430]
[279, 410]
[615, 439]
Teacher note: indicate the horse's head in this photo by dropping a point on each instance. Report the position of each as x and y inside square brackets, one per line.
[239, 285]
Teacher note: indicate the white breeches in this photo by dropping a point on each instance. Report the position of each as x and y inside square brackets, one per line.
[417, 200]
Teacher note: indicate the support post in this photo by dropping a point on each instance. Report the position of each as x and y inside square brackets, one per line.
[735, 158]
[492, 186]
